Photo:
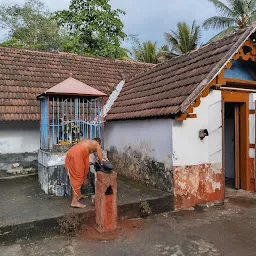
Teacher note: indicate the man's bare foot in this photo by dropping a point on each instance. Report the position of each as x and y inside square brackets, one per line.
[93, 199]
[83, 197]
[77, 205]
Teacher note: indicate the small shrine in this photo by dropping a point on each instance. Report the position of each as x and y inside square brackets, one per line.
[70, 111]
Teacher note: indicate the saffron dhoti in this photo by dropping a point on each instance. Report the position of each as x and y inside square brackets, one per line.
[77, 166]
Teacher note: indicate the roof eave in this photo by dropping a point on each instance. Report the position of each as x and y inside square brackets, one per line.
[216, 70]
[43, 95]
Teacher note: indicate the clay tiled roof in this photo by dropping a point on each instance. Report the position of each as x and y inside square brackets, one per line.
[24, 74]
[171, 87]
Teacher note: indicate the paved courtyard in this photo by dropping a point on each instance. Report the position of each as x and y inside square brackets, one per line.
[226, 230]
[22, 200]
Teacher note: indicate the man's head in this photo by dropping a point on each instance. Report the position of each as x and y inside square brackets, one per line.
[98, 140]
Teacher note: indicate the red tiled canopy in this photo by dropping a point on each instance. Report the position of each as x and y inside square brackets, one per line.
[72, 86]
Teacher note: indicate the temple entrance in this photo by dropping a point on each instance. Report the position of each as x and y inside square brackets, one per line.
[235, 122]
[232, 145]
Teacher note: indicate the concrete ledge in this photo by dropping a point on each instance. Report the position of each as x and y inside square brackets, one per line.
[126, 211]
[50, 158]
[26, 211]
[26, 164]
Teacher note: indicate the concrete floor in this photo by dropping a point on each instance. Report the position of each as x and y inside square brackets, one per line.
[228, 230]
[22, 200]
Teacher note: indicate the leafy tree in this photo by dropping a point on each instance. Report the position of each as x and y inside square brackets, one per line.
[236, 14]
[96, 29]
[185, 39]
[30, 26]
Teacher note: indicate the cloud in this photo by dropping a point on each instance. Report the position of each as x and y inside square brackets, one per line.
[150, 18]
[53, 5]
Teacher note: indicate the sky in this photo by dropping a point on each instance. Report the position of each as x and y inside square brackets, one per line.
[149, 19]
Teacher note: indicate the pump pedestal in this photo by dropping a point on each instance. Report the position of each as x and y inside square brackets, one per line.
[106, 202]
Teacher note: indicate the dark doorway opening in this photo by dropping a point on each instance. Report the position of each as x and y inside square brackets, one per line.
[232, 127]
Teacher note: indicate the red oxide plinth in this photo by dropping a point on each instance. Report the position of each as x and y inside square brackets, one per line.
[106, 202]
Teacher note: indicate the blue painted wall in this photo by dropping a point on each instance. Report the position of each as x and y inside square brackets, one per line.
[238, 70]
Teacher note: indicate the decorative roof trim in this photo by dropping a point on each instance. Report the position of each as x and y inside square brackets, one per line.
[216, 70]
[219, 79]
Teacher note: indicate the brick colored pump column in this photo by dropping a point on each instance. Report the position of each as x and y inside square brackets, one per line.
[106, 202]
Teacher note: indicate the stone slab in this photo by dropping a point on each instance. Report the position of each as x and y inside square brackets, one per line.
[17, 164]
[51, 158]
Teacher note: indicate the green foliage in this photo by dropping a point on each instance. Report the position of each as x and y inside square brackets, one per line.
[236, 14]
[31, 26]
[148, 51]
[96, 29]
[145, 52]
[185, 39]
[12, 42]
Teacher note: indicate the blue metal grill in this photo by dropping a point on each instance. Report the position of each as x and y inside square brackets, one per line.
[67, 120]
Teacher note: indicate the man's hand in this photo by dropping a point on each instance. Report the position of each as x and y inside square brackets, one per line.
[99, 153]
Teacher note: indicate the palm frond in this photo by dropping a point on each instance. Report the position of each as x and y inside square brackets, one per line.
[184, 33]
[252, 4]
[252, 18]
[185, 38]
[237, 14]
[195, 35]
[147, 52]
[173, 41]
[218, 22]
[239, 7]
[222, 8]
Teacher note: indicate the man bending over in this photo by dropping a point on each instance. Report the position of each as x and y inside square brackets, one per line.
[77, 166]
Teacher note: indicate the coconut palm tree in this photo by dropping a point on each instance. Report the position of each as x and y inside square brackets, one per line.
[236, 14]
[146, 52]
[185, 39]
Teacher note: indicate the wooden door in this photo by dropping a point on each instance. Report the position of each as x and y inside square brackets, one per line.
[255, 146]
[237, 147]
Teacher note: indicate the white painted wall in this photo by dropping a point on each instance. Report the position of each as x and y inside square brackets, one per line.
[152, 137]
[19, 137]
[188, 149]
[113, 96]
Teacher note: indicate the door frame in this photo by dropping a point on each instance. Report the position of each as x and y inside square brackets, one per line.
[243, 98]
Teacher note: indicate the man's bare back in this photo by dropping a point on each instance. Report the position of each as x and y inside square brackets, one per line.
[92, 146]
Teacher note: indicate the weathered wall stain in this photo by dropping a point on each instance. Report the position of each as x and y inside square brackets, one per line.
[138, 164]
[54, 180]
[252, 170]
[197, 184]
